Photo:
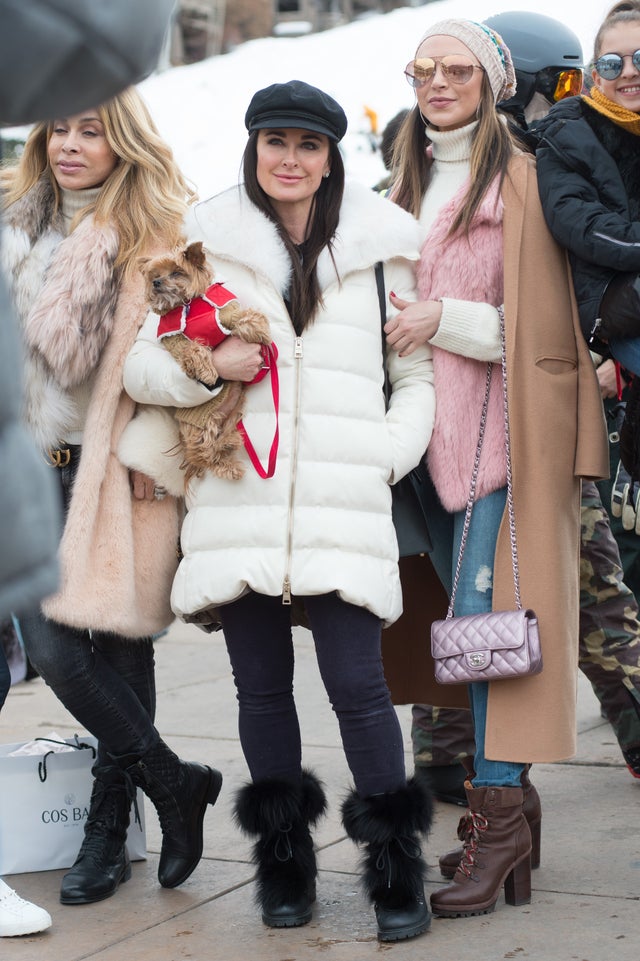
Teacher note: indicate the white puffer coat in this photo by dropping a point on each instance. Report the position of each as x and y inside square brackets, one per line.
[322, 523]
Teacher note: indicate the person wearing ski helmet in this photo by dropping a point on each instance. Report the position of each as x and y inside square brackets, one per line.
[547, 57]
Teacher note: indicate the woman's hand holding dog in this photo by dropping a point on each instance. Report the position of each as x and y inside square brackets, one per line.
[236, 360]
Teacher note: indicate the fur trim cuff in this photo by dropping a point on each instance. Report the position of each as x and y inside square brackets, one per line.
[377, 819]
[262, 807]
[150, 443]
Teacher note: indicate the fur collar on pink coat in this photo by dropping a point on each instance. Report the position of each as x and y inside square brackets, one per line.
[465, 268]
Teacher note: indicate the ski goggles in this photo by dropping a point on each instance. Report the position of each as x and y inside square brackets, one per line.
[556, 84]
[610, 65]
[455, 68]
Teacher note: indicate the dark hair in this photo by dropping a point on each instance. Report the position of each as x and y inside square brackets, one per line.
[388, 138]
[492, 148]
[304, 292]
[627, 11]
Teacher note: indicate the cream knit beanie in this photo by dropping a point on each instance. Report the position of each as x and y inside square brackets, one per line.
[488, 46]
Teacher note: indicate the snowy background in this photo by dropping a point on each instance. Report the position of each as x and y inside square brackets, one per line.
[200, 108]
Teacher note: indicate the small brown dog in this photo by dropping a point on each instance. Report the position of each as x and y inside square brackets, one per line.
[197, 315]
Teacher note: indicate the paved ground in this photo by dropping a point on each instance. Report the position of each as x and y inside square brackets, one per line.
[586, 894]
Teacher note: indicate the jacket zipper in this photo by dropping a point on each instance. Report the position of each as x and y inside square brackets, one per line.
[286, 585]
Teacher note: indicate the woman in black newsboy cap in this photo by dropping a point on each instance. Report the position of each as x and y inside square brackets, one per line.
[316, 540]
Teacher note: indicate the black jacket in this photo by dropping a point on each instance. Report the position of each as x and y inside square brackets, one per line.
[589, 182]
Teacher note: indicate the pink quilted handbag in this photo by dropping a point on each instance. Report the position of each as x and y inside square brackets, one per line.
[493, 644]
[486, 647]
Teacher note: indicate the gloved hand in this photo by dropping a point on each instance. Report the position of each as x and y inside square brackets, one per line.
[625, 500]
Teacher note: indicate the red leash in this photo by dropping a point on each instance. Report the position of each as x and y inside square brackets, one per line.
[270, 355]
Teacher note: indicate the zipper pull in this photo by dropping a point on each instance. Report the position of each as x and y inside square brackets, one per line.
[297, 353]
[286, 590]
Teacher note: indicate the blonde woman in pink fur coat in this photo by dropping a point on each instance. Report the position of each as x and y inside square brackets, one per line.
[91, 193]
[459, 172]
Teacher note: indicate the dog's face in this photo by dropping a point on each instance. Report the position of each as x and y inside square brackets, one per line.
[175, 278]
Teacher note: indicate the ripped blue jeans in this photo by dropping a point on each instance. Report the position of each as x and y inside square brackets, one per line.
[474, 596]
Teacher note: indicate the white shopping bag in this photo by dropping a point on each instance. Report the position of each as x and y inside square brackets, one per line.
[44, 803]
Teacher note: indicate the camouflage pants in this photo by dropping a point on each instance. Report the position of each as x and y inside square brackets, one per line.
[609, 649]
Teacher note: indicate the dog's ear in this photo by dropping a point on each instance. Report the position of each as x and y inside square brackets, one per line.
[142, 263]
[194, 254]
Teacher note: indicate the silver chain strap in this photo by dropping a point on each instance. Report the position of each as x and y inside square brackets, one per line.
[474, 476]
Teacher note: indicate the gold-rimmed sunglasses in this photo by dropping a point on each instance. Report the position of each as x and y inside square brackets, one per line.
[456, 69]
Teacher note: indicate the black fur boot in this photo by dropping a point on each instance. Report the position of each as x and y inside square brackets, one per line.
[102, 863]
[279, 812]
[180, 792]
[388, 826]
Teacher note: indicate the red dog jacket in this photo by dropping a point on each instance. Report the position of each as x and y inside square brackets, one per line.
[199, 320]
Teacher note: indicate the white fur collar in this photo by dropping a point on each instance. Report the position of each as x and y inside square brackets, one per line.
[371, 228]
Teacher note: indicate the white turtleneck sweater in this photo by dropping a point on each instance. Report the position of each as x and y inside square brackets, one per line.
[466, 328]
[73, 201]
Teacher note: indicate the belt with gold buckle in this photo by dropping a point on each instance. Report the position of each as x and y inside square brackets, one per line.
[59, 457]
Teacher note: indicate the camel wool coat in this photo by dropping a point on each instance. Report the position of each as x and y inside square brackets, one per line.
[558, 436]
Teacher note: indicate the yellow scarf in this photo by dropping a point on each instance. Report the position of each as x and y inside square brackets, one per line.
[627, 119]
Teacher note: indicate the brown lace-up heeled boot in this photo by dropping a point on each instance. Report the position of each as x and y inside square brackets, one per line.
[497, 849]
[532, 810]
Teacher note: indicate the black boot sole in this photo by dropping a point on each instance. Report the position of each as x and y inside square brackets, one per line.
[296, 921]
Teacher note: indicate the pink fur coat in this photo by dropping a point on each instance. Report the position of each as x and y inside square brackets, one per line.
[465, 268]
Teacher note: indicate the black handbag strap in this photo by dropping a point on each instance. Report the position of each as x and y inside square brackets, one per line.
[382, 300]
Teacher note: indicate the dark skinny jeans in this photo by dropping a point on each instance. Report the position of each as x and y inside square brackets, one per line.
[257, 631]
[107, 682]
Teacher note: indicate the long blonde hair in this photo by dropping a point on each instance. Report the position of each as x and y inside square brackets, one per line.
[492, 148]
[145, 197]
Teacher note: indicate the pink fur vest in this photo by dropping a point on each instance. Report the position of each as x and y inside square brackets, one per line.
[471, 269]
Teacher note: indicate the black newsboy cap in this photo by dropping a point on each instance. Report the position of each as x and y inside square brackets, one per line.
[296, 104]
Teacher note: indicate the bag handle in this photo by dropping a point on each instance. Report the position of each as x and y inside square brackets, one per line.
[474, 475]
[78, 746]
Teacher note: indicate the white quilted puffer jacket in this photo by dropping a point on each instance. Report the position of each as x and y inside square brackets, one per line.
[322, 523]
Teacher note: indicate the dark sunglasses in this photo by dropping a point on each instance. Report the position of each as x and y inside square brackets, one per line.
[610, 65]
[454, 67]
